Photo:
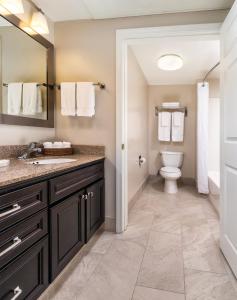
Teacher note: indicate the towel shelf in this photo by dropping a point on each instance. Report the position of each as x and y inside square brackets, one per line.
[161, 108]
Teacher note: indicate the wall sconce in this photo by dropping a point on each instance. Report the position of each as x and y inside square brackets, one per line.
[13, 6]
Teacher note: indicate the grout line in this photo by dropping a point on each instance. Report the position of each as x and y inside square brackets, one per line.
[145, 250]
[160, 289]
[182, 246]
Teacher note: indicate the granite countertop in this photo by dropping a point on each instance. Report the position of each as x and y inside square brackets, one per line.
[19, 171]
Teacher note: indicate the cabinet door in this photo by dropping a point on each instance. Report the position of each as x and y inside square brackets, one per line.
[67, 231]
[94, 208]
[27, 276]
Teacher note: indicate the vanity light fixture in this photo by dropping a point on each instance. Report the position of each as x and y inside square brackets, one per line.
[170, 62]
[39, 22]
[13, 6]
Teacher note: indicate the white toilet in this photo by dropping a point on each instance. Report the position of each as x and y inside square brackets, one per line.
[172, 162]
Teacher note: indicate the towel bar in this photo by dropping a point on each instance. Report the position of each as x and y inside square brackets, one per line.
[101, 85]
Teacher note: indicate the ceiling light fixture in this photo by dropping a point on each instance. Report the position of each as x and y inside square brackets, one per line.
[39, 22]
[170, 62]
[13, 6]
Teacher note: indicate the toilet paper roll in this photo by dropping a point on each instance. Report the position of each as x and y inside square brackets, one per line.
[143, 160]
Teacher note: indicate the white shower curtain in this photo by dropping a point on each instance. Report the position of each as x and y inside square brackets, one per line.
[202, 137]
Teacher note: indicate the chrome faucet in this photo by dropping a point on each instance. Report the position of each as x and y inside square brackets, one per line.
[32, 151]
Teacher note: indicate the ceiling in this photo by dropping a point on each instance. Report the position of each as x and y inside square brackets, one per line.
[62, 10]
[199, 56]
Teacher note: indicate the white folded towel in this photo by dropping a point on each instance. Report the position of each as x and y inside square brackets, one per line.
[170, 104]
[177, 126]
[85, 99]
[14, 97]
[32, 100]
[68, 98]
[164, 126]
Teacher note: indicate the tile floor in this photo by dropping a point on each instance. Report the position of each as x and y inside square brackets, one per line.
[169, 252]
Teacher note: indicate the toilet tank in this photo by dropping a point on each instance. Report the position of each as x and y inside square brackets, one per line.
[172, 159]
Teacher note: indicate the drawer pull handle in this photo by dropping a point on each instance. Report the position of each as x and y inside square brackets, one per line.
[15, 208]
[16, 242]
[17, 292]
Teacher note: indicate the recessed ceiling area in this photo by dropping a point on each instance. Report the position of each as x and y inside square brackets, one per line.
[199, 56]
[62, 10]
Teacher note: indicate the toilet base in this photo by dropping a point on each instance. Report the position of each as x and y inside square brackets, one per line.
[171, 186]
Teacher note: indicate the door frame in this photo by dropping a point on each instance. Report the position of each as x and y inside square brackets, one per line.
[124, 38]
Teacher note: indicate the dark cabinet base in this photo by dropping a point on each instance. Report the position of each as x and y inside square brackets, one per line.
[43, 225]
[27, 276]
[67, 232]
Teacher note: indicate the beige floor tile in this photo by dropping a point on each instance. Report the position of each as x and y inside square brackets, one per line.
[168, 224]
[208, 286]
[69, 284]
[142, 293]
[101, 242]
[162, 266]
[115, 277]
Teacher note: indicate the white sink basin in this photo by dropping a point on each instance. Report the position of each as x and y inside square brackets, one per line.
[51, 161]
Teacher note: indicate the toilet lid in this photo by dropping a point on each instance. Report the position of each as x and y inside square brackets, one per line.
[170, 170]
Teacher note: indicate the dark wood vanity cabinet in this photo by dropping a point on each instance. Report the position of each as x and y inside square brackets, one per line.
[94, 208]
[67, 231]
[27, 276]
[43, 224]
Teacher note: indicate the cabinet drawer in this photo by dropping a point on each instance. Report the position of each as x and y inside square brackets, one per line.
[67, 231]
[21, 204]
[27, 276]
[68, 184]
[18, 238]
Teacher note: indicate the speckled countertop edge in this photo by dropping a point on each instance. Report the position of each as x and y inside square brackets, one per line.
[19, 171]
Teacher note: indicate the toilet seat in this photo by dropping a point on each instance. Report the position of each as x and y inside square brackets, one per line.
[169, 171]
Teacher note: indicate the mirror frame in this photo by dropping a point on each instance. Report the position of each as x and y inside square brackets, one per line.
[23, 121]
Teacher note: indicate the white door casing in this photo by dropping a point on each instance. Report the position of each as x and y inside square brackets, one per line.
[124, 38]
[228, 200]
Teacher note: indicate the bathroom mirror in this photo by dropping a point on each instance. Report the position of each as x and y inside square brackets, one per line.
[26, 76]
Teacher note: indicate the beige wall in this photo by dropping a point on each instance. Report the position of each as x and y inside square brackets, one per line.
[137, 125]
[86, 51]
[186, 95]
[11, 135]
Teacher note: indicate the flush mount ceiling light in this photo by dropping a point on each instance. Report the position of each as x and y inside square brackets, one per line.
[170, 62]
[13, 6]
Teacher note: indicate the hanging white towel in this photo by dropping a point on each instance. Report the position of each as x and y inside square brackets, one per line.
[32, 100]
[85, 99]
[68, 98]
[164, 126]
[177, 126]
[39, 104]
[14, 97]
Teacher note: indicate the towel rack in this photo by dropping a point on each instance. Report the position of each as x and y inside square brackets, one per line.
[39, 84]
[101, 85]
[181, 109]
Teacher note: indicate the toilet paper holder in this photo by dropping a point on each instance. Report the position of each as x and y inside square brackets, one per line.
[141, 160]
